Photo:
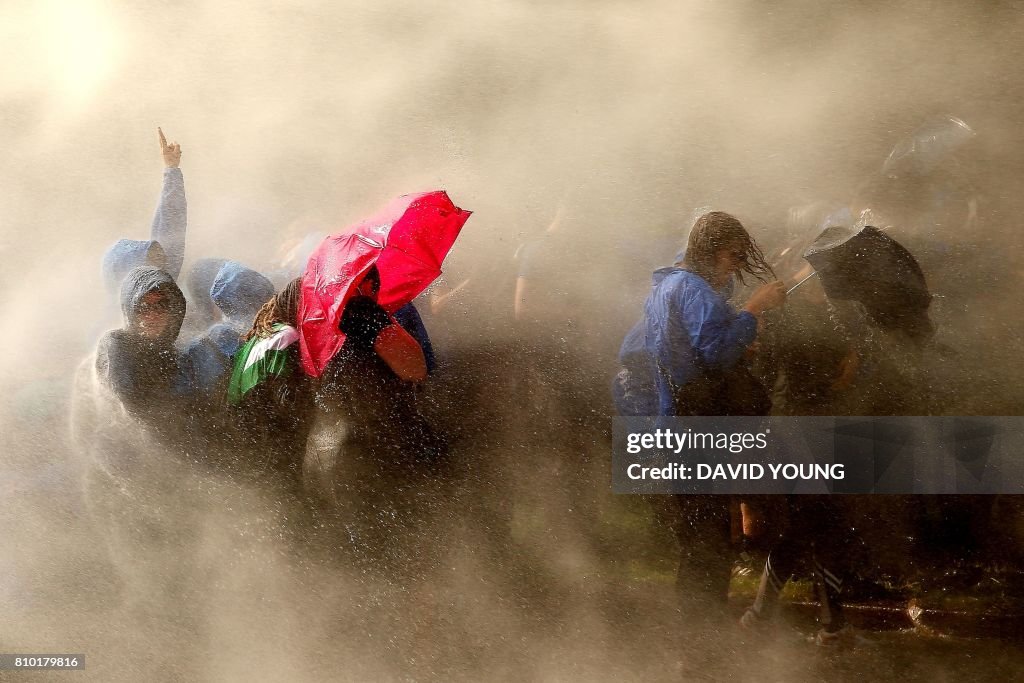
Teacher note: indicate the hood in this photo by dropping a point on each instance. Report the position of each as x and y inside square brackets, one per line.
[239, 292]
[660, 274]
[143, 280]
[124, 255]
[198, 282]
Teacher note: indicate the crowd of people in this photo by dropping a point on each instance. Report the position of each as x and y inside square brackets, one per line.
[206, 369]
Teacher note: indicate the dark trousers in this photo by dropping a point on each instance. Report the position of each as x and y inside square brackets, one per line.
[701, 524]
[814, 534]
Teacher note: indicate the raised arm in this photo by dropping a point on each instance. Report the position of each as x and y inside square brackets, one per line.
[171, 218]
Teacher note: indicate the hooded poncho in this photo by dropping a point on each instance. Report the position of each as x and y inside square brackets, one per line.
[143, 373]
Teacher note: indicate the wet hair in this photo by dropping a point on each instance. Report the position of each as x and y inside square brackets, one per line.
[718, 230]
[281, 309]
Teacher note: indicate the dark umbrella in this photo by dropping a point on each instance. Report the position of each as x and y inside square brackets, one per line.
[868, 266]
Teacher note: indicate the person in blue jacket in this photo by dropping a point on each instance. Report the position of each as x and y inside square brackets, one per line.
[238, 292]
[681, 357]
[165, 248]
[685, 357]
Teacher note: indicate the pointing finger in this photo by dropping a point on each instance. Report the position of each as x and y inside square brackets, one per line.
[163, 140]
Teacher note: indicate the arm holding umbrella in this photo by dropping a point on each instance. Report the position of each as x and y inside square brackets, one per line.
[402, 353]
[367, 325]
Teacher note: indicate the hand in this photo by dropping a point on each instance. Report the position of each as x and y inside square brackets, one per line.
[171, 153]
[362, 320]
[766, 297]
[847, 371]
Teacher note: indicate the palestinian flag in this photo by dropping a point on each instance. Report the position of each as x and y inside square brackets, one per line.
[261, 358]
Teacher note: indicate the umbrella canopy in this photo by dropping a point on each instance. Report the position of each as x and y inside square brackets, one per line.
[407, 241]
[868, 266]
[924, 149]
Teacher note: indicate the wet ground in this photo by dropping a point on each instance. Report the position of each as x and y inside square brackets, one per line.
[260, 603]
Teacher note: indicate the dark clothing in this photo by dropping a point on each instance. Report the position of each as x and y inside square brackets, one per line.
[684, 358]
[148, 376]
[813, 533]
[409, 318]
[361, 322]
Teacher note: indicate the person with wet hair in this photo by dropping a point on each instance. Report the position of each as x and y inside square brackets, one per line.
[693, 341]
[270, 397]
[686, 357]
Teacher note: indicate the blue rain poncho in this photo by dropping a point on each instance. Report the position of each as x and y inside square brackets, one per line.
[165, 248]
[238, 292]
[688, 327]
[143, 373]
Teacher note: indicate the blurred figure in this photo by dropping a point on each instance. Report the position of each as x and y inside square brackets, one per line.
[557, 323]
[686, 357]
[238, 293]
[270, 395]
[202, 312]
[366, 397]
[138, 362]
[138, 433]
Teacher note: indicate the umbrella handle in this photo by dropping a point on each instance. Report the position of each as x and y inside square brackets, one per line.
[793, 288]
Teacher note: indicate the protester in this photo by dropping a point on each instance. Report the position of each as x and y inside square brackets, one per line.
[292, 263]
[138, 362]
[271, 396]
[368, 327]
[238, 293]
[202, 312]
[685, 357]
[141, 437]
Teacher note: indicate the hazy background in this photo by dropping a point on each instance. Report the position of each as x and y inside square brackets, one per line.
[293, 115]
[323, 111]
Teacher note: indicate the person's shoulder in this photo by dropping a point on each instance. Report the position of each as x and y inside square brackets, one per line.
[675, 278]
[112, 339]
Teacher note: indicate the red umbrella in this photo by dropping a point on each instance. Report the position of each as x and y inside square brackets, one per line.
[407, 241]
